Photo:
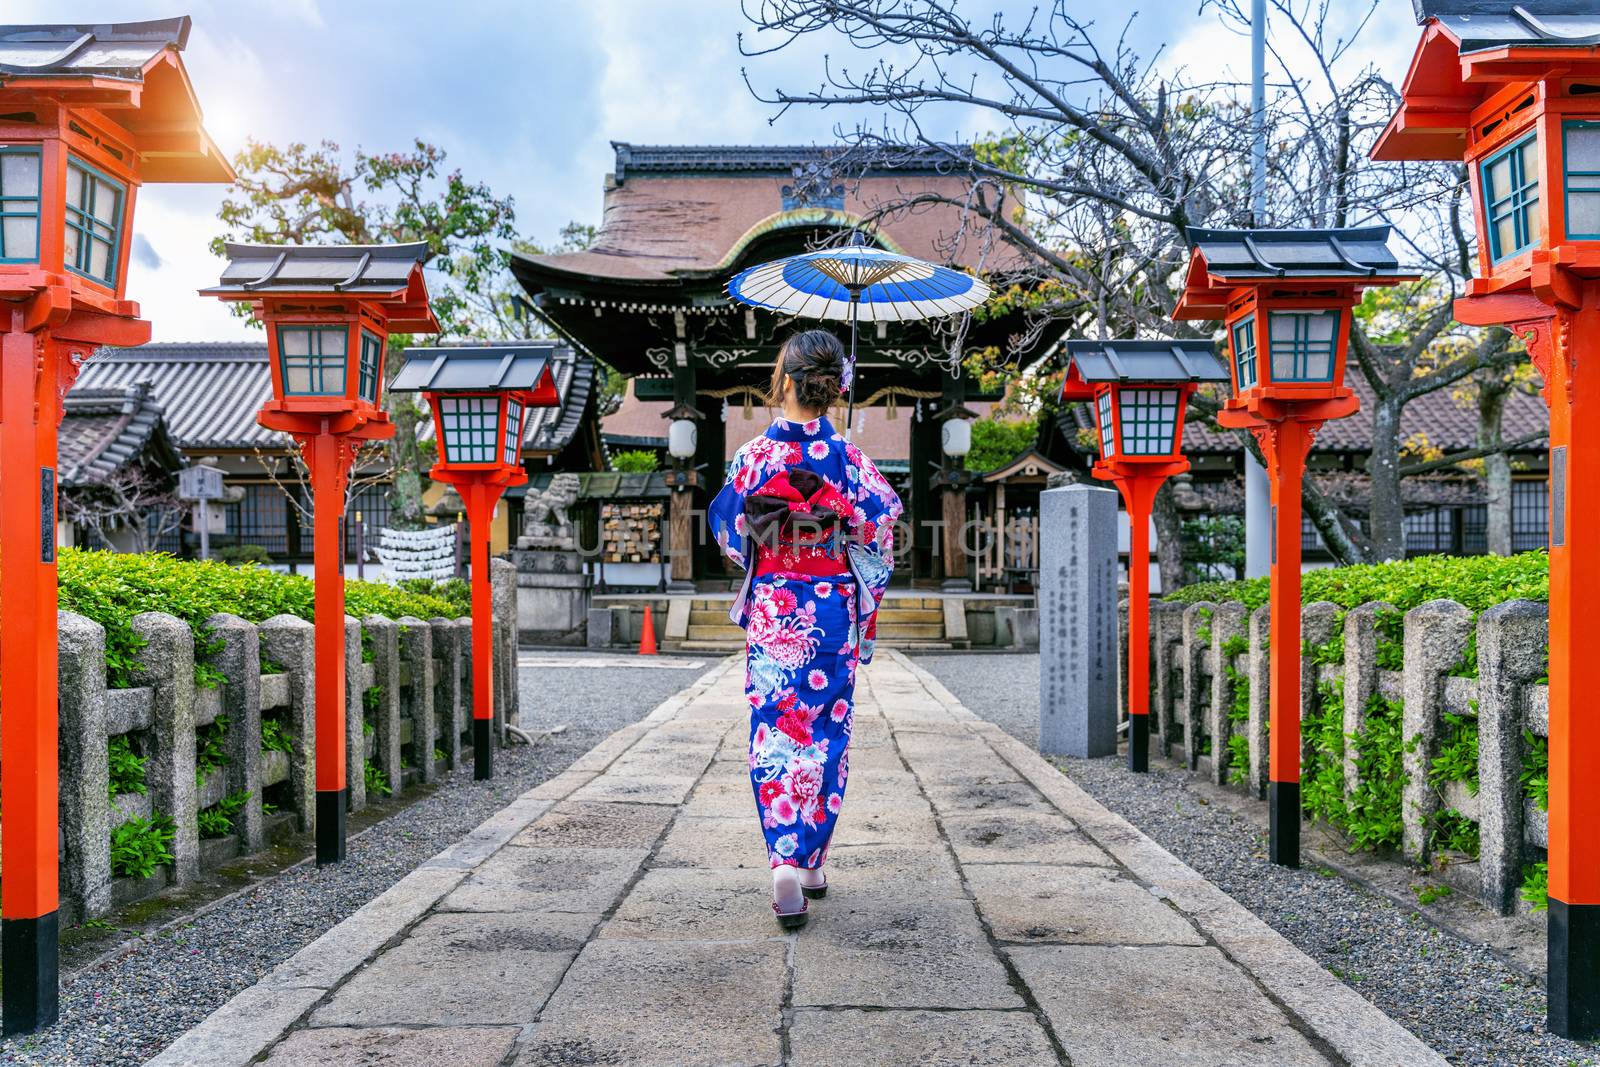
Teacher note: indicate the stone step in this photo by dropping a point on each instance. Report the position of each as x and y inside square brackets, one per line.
[909, 631]
[927, 616]
[725, 632]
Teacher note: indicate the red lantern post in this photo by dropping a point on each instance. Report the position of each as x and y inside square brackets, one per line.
[1513, 91]
[1284, 297]
[328, 311]
[480, 396]
[1140, 391]
[87, 115]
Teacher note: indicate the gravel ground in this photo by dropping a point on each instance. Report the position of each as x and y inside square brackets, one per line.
[128, 1009]
[1455, 995]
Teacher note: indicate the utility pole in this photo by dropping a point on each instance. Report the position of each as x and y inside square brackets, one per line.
[1257, 490]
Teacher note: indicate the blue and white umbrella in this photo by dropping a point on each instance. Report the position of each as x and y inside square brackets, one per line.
[857, 282]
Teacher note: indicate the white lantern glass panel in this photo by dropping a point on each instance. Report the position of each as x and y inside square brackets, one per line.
[1510, 180]
[313, 359]
[956, 437]
[1301, 345]
[471, 427]
[513, 452]
[683, 438]
[1244, 353]
[1149, 421]
[1581, 162]
[1108, 429]
[19, 205]
[93, 232]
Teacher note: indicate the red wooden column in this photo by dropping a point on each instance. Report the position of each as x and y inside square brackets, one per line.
[481, 497]
[325, 459]
[1139, 495]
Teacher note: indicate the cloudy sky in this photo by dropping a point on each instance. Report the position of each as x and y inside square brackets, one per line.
[523, 94]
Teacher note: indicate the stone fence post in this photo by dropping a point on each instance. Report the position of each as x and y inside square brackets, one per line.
[1166, 630]
[1122, 658]
[1361, 679]
[1227, 622]
[1513, 638]
[1260, 704]
[166, 666]
[463, 628]
[415, 640]
[85, 811]
[503, 598]
[1318, 623]
[355, 739]
[288, 641]
[448, 708]
[238, 657]
[1435, 637]
[384, 635]
[1194, 698]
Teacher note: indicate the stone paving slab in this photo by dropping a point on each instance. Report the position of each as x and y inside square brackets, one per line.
[982, 909]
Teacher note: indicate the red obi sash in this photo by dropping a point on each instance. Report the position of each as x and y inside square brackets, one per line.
[797, 521]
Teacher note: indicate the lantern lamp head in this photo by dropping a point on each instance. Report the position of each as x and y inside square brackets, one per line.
[1139, 390]
[683, 432]
[955, 429]
[1512, 89]
[328, 311]
[88, 114]
[1285, 300]
[480, 396]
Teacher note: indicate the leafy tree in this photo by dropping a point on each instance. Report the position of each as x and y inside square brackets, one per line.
[996, 442]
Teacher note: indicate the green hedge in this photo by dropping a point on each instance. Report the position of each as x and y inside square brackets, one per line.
[112, 587]
[1479, 582]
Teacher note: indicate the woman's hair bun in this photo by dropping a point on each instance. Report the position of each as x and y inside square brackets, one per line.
[814, 360]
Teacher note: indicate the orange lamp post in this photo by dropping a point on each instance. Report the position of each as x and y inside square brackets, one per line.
[1140, 390]
[87, 115]
[328, 312]
[1513, 91]
[480, 396]
[1284, 297]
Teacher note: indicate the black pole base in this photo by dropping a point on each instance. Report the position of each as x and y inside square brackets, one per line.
[1283, 807]
[482, 753]
[30, 958]
[1139, 743]
[1574, 962]
[331, 804]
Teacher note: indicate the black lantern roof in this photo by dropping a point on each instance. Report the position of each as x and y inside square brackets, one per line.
[477, 368]
[1146, 361]
[1484, 24]
[108, 50]
[1264, 254]
[361, 270]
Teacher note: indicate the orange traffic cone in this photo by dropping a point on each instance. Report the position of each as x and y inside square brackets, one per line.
[647, 634]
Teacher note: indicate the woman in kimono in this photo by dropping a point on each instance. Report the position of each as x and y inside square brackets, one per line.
[811, 521]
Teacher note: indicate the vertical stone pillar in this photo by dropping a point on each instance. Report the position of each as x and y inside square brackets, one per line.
[85, 811]
[166, 666]
[1196, 697]
[1318, 623]
[385, 638]
[1435, 637]
[355, 741]
[415, 640]
[1122, 657]
[1227, 622]
[238, 657]
[1077, 621]
[1260, 710]
[448, 709]
[503, 593]
[1361, 679]
[1512, 639]
[287, 641]
[1166, 632]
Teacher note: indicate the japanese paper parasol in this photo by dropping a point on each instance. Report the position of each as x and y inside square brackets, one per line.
[857, 282]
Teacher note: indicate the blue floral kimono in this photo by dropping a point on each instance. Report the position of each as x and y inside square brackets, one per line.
[811, 521]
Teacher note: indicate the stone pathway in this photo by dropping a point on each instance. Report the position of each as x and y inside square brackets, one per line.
[983, 910]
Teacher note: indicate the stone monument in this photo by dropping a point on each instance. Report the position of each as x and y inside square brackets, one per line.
[552, 588]
[1078, 621]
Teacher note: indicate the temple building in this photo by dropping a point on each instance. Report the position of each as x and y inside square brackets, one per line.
[649, 299]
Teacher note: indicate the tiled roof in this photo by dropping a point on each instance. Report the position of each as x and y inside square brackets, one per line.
[105, 429]
[1146, 361]
[211, 391]
[780, 159]
[604, 485]
[357, 269]
[1485, 24]
[474, 367]
[1250, 254]
[107, 50]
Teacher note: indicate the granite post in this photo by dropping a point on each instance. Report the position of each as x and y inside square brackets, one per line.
[1078, 621]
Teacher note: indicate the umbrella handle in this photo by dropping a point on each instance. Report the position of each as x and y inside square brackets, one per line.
[850, 416]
